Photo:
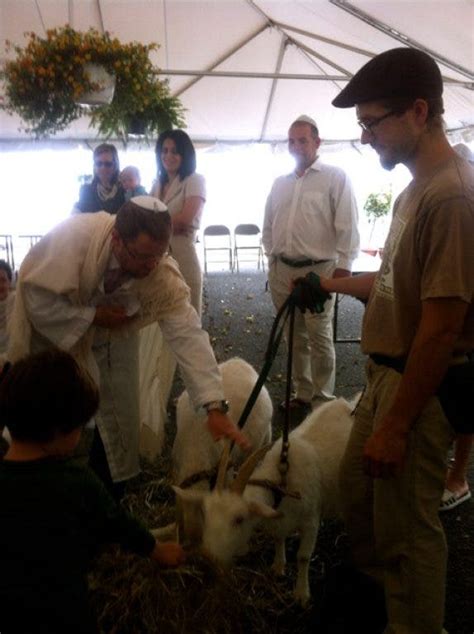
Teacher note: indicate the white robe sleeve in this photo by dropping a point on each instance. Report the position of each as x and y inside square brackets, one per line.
[191, 346]
[55, 318]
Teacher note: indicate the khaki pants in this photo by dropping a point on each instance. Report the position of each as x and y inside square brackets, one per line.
[183, 249]
[314, 357]
[393, 525]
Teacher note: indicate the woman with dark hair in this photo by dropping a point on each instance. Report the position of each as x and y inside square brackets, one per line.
[105, 193]
[184, 193]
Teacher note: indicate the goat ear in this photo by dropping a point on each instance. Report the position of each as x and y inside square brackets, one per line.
[189, 519]
[258, 509]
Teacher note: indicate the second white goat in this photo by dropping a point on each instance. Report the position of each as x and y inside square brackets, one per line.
[194, 450]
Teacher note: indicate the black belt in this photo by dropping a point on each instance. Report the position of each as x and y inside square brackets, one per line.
[454, 393]
[395, 363]
[298, 264]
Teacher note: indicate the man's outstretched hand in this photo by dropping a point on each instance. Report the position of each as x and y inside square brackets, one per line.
[221, 426]
[111, 316]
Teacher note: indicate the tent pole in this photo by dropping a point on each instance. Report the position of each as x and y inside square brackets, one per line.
[327, 40]
[281, 54]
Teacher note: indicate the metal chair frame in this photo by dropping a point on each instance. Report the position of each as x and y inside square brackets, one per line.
[7, 246]
[32, 237]
[214, 231]
[248, 230]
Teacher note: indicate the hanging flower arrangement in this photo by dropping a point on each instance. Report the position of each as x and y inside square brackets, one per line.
[45, 82]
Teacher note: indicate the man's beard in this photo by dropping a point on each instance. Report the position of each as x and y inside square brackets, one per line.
[403, 153]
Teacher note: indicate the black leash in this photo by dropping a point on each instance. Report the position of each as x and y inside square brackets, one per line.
[306, 295]
[287, 310]
[285, 443]
[276, 334]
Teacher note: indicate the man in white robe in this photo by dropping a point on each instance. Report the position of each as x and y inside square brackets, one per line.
[96, 278]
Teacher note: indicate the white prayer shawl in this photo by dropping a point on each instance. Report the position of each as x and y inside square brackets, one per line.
[71, 260]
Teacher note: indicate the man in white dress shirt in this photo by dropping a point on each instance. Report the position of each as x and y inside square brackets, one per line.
[95, 279]
[310, 225]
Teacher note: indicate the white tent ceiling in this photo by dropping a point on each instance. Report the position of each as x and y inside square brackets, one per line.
[251, 66]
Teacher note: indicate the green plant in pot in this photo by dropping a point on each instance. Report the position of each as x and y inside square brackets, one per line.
[45, 82]
[377, 206]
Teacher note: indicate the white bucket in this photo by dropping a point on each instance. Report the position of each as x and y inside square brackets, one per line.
[98, 75]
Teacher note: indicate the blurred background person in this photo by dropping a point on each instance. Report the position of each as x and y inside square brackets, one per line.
[457, 488]
[6, 304]
[105, 193]
[131, 182]
[184, 193]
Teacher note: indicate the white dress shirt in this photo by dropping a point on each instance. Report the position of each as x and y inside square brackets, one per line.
[312, 216]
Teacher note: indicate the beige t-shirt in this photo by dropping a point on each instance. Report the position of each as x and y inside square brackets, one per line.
[429, 253]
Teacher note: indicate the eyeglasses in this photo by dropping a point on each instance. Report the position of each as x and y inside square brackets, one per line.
[141, 257]
[369, 127]
[104, 163]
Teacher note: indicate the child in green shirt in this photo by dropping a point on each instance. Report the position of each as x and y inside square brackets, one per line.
[54, 513]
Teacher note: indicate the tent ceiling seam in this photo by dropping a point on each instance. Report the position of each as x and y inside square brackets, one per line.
[400, 37]
[250, 75]
[40, 15]
[281, 54]
[322, 58]
[223, 58]
[101, 17]
[327, 40]
[165, 23]
[329, 78]
[202, 140]
[297, 42]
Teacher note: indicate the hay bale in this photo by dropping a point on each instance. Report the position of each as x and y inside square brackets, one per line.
[132, 595]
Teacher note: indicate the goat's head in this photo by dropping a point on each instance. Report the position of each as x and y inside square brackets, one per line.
[227, 518]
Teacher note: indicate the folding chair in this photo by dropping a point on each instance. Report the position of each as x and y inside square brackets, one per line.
[33, 238]
[217, 238]
[248, 237]
[6, 250]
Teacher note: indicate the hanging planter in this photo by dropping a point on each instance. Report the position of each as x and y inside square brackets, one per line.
[55, 80]
[105, 82]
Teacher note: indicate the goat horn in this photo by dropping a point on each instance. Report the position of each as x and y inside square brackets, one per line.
[223, 464]
[247, 468]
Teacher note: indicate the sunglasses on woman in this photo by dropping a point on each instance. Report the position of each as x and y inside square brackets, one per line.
[104, 163]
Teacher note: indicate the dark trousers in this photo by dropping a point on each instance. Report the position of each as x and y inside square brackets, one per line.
[99, 464]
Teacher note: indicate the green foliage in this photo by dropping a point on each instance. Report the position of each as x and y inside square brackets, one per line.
[43, 84]
[378, 205]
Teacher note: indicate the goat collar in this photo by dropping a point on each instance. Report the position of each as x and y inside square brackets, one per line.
[278, 492]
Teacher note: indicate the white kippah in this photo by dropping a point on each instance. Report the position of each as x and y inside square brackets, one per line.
[149, 202]
[303, 118]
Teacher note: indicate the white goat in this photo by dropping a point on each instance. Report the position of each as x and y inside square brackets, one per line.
[194, 450]
[230, 516]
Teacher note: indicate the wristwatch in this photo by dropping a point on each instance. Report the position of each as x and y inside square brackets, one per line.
[220, 406]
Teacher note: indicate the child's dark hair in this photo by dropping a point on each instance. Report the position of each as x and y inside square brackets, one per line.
[44, 394]
[4, 266]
